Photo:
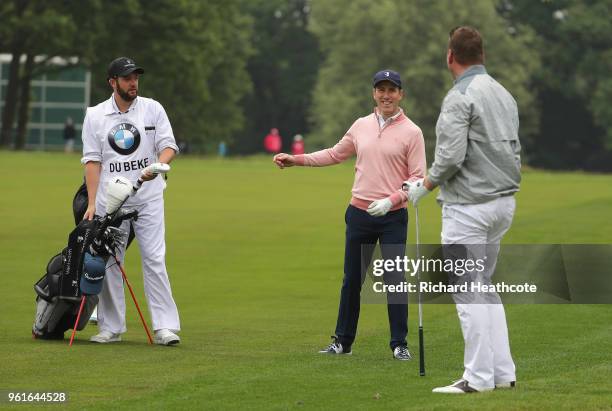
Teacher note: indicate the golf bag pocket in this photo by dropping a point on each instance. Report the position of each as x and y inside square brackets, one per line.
[54, 317]
[48, 285]
[55, 314]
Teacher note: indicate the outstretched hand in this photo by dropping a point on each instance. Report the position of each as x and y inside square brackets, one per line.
[283, 160]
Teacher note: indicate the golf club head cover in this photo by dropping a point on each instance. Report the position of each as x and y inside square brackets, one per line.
[117, 190]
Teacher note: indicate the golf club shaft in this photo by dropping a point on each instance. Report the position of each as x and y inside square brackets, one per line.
[76, 323]
[420, 305]
[421, 353]
[144, 323]
[138, 184]
[136, 187]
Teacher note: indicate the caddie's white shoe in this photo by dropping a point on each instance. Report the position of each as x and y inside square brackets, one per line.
[166, 337]
[104, 337]
[459, 387]
[505, 385]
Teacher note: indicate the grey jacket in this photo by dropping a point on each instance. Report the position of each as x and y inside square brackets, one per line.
[477, 155]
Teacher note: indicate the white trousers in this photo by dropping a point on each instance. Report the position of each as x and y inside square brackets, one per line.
[150, 234]
[487, 358]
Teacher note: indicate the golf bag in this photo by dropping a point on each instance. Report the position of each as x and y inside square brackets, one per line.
[58, 290]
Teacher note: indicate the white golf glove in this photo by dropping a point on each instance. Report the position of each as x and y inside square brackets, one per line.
[416, 191]
[379, 208]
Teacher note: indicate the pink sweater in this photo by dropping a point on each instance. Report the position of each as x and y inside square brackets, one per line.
[385, 158]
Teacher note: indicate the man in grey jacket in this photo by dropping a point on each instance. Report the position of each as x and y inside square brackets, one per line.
[477, 166]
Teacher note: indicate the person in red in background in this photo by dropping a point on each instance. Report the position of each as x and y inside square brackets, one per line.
[273, 142]
[298, 145]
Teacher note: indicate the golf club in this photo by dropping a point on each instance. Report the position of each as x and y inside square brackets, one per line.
[418, 276]
[123, 195]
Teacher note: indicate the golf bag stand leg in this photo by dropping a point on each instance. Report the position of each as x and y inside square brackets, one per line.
[144, 323]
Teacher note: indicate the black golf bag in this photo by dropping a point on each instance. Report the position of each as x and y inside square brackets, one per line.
[58, 290]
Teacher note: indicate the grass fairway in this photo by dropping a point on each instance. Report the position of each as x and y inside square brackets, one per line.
[255, 260]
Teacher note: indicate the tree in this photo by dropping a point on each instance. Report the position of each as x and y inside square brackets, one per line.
[28, 28]
[573, 85]
[283, 70]
[14, 16]
[360, 37]
[24, 102]
[194, 54]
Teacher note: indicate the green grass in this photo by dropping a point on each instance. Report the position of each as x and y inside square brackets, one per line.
[255, 259]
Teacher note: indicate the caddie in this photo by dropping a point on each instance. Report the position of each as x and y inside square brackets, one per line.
[124, 136]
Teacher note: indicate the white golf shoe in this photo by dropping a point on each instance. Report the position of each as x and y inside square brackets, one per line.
[166, 337]
[459, 387]
[104, 337]
[401, 353]
[336, 348]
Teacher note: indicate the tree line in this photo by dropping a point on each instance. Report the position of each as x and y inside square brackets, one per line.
[229, 70]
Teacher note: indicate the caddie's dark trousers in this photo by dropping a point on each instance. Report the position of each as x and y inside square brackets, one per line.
[364, 230]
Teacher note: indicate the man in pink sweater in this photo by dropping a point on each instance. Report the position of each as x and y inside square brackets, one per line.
[390, 150]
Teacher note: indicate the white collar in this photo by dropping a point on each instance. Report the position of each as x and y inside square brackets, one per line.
[382, 122]
[112, 107]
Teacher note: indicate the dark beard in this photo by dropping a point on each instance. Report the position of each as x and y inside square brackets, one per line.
[125, 95]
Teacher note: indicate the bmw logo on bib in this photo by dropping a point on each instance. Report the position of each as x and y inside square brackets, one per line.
[124, 138]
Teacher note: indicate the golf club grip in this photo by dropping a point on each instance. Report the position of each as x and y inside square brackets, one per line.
[138, 184]
[421, 353]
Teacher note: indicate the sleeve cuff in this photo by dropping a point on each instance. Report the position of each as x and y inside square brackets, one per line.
[91, 157]
[433, 180]
[169, 145]
[397, 198]
[300, 160]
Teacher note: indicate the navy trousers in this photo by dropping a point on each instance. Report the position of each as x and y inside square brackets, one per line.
[362, 233]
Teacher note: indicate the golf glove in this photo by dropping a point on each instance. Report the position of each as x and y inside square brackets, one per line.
[416, 191]
[379, 208]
